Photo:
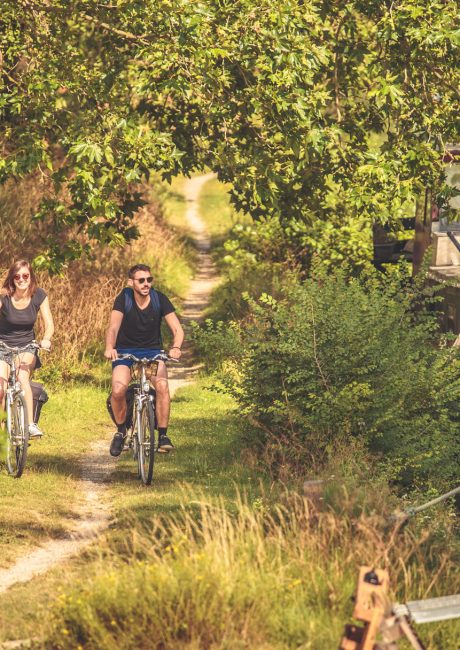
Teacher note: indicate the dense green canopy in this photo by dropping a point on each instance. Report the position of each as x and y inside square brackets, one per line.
[326, 114]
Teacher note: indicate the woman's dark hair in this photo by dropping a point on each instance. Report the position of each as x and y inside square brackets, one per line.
[9, 285]
[138, 267]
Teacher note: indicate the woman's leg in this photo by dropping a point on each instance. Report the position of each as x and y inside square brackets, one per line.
[4, 374]
[26, 363]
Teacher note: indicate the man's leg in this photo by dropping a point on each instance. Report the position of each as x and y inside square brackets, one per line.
[163, 406]
[121, 376]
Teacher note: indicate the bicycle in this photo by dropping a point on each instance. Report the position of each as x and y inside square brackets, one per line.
[17, 419]
[141, 434]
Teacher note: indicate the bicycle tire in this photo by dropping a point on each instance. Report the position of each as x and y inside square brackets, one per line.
[17, 437]
[146, 457]
[135, 441]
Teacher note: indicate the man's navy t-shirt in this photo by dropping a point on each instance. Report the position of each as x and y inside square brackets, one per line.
[140, 328]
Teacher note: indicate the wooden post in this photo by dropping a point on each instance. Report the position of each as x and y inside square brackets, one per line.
[370, 608]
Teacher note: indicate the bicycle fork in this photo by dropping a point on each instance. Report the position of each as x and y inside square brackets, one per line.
[141, 401]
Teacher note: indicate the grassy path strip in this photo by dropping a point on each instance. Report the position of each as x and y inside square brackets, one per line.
[207, 465]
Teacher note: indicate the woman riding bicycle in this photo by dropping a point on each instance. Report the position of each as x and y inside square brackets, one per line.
[21, 300]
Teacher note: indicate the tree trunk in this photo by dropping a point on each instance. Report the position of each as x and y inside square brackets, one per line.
[422, 230]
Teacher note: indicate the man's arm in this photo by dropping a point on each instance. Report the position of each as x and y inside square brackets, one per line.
[178, 335]
[111, 335]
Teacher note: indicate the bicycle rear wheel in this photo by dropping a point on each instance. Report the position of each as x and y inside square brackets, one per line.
[18, 436]
[146, 450]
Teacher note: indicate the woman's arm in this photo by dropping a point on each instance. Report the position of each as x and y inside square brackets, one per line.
[45, 313]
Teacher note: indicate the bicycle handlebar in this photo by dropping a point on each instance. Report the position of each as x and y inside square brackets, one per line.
[157, 357]
[18, 350]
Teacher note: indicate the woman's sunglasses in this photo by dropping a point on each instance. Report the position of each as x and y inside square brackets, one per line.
[21, 276]
[142, 280]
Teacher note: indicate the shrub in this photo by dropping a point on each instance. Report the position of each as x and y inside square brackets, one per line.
[339, 359]
[256, 258]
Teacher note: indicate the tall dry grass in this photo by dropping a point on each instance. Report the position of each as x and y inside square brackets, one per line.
[266, 578]
[18, 234]
[81, 299]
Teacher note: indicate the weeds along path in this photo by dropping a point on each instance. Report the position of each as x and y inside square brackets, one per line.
[94, 512]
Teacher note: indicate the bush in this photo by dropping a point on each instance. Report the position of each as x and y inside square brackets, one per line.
[256, 258]
[340, 359]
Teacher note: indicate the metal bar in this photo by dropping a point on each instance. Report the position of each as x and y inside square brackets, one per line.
[433, 502]
[452, 238]
[434, 609]
[430, 610]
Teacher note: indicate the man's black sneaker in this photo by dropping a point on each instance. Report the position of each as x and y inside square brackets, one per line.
[164, 445]
[117, 444]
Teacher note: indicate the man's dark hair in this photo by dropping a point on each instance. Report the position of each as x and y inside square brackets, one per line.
[137, 267]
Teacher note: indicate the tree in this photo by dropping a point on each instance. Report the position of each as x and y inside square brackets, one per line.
[328, 115]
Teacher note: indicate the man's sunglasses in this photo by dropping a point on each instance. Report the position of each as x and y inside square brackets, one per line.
[23, 276]
[142, 280]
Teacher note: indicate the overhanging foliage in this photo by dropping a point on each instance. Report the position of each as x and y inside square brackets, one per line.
[327, 115]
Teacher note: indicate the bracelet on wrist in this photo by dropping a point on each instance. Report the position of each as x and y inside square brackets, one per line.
[175, 347]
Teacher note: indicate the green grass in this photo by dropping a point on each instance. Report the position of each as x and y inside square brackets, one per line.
[207, 460]
[217, 212]
[174, 204]
[189, 563]
[214, 208]
[41, 504]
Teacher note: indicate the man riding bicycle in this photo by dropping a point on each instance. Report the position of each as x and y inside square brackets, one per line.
[135, 328]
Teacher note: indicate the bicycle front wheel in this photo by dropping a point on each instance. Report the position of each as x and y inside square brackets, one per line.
[146, 449]
[18, 436]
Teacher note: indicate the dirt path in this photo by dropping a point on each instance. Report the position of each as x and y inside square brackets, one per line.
[94, 511]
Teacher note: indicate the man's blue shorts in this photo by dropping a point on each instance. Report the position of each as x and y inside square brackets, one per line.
[141, 353]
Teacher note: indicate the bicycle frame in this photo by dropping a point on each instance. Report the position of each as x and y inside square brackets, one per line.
[14, 388]
[17, 421]
[142, 435]
[142, 395]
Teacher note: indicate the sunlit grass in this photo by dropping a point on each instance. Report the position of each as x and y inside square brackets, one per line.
[211, 556]
[209, 446]
[272, 577]
[41, 504]
[217, 212]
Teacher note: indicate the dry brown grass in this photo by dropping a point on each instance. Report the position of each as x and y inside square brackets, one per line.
[82, 298]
